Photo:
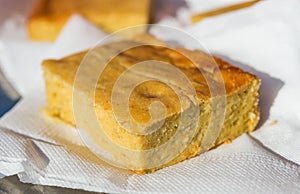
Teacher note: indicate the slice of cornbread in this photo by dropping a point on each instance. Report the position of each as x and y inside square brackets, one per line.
[49, 16]
[241, 115]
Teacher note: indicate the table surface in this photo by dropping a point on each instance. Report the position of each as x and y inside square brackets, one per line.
[13, 185]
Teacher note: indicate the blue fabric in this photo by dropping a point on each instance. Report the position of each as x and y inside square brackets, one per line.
[6, 103]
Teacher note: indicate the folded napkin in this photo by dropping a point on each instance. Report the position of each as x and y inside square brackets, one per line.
[12, 153]
[53, 154]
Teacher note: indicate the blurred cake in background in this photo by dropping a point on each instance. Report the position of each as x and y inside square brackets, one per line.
[49, 16]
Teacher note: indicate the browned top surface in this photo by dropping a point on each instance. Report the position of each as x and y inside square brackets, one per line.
[150, 91]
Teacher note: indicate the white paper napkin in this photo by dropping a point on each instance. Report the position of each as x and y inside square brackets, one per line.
[12, 153]
[20, 58]
[242, 166]
[77, 35]
[264, 39]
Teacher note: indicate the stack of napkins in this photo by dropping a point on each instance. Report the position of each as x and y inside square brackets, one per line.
[262, 39]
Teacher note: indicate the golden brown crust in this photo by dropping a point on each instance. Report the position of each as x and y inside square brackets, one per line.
[233, 77]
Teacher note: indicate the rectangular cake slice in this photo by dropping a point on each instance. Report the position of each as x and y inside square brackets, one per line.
[49, 16]
[241, 112]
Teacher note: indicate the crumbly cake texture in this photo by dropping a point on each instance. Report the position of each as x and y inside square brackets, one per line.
[242, 111]
[49, 16]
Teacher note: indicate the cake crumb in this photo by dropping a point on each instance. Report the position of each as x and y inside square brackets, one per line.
[274, 122]
[227, 141]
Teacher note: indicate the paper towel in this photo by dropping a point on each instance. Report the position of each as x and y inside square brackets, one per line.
[263, 39]
[12, 153]
[242, 166]
[20, 58]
